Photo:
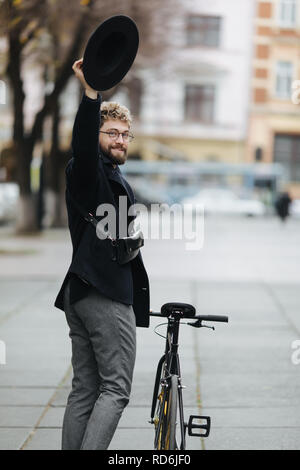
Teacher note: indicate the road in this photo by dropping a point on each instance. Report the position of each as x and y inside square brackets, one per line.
[244, 374]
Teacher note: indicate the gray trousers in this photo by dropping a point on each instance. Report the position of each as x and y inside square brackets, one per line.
[103, 335]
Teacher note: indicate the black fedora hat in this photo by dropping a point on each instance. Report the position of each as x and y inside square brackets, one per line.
[110, 52]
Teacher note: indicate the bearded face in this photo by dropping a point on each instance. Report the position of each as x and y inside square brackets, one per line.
[112, 142]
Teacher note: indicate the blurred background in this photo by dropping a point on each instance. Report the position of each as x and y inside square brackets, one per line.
[215, 95]
[214, 91]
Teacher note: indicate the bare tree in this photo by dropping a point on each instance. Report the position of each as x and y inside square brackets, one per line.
[52, 34]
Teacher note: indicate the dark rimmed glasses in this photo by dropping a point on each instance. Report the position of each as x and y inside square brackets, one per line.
[114, 135]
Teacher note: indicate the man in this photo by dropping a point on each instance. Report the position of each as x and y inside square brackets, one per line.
[282, 205]
[103, 300]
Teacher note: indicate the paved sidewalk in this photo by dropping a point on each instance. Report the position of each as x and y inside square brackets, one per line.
[241, 374]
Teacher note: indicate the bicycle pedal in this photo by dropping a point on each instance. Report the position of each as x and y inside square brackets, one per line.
[204, 428]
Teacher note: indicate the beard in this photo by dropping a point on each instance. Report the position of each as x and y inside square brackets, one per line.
[117, 153]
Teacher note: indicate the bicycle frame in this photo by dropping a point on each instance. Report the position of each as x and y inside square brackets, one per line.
[168, 381]
[168, 365]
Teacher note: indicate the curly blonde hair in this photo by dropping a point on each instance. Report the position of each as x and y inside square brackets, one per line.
[113, 110]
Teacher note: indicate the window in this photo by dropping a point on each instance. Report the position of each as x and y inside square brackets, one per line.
[203, 31]
[284, 77]
[135, 87]
[287, 153]
[199, 103]
[287, 13]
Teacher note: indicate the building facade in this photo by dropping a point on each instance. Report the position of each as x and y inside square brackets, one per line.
[195, 105]
[274, 121]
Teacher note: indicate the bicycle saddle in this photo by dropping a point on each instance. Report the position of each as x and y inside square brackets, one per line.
[186, 310]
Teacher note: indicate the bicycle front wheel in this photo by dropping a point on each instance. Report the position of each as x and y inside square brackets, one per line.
[165, 429]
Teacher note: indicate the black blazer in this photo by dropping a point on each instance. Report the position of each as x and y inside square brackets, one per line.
[89, 178]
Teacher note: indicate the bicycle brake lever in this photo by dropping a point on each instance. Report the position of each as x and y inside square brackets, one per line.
[198, 324]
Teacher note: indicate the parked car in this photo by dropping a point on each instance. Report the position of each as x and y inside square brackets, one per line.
[179, 191]
[148, 192]
[225, 201]
[9, 195]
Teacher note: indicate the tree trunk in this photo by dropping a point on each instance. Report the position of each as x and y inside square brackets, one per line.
[51, 204]
[27, 210]
[26, 214]
[26, 220]
[52, 174]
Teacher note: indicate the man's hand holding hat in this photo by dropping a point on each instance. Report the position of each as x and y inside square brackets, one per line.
[77, 68]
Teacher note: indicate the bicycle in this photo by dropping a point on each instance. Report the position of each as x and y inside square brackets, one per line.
[167, 402]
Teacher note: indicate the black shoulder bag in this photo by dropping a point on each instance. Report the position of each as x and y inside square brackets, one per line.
[127, 248]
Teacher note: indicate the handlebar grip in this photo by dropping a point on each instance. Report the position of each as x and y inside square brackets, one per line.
[155, 314]
[218, 318]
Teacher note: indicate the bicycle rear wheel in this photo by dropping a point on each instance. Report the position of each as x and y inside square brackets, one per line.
[165, 417]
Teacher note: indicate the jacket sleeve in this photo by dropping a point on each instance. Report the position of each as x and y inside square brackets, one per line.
[85, 144]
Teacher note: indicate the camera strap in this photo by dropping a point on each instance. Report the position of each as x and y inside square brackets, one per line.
[126, 248]
[88, 216]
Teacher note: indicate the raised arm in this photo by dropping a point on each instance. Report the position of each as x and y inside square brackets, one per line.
[85, 137]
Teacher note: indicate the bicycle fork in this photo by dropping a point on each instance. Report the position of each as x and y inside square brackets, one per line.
[193, 426]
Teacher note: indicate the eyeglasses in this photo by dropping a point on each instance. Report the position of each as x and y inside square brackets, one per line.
[114, 135]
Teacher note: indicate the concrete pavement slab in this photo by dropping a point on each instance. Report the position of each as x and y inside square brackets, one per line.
[243, 370]
[61, 396]
[22, 396]
[35, 338]
[276, 417]
[15, 295]
[52, 418]
[249, 390]
[12, 438]
[249, 438]
[45, 439]
[20, 416]
[132, 439]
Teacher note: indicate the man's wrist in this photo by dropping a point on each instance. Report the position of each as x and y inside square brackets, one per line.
[90, 93]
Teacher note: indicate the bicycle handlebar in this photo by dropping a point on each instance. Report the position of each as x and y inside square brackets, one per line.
[216, 318]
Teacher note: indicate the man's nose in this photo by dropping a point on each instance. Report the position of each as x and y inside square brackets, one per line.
[120, 136]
